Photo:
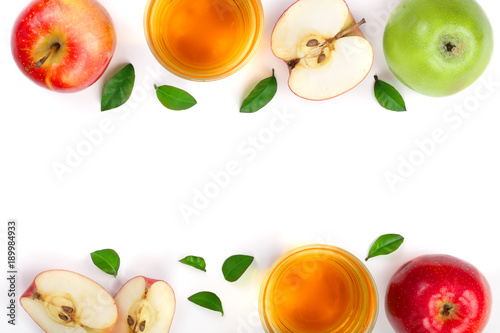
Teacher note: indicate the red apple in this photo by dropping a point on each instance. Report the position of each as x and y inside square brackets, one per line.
[438, 294]
[63, 45]
[144, 305]
[64, 301]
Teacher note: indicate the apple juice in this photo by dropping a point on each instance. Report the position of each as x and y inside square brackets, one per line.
[203, 39]
[318, 289]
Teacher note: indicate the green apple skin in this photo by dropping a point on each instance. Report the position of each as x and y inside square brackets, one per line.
[438, 47]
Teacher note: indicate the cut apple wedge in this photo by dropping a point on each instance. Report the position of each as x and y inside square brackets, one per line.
[326, 52]
[144, 306]
[64, 301]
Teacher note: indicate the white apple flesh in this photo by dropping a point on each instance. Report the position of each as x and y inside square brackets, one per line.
[144, 306]
[64, 301]
[326, 52]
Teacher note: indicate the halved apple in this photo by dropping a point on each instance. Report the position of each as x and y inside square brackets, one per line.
[144, 306]
[326, 52]
[64, 301]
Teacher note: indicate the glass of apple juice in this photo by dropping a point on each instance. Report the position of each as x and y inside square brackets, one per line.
[318, 289]
[203, 40]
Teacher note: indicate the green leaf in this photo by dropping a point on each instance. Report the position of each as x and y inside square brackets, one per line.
[262, 94]
[196, 262]
[174, 98]
[388, 97]
[385, 244]
[106, 260]
[234, 266]
[118, 89]
[208, 300]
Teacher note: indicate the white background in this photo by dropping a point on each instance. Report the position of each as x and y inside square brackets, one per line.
[320, 179]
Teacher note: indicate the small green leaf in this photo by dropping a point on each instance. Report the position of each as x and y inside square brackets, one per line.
[234, 266]
[196, 262]
[208, 300]
[106, 260]
[118, 89]
[388, 97]
[174, 98]
[385, 244]
[262, 94]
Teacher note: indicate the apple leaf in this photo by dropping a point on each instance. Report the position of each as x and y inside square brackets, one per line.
[118, 89]
[262, 94]
[106, 260]
[208, 300]
[174, 98]
[385, 244]
[388, 97]
[234, 266]
[196, 262]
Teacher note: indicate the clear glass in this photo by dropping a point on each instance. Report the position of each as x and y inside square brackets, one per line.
[203, 40]
[318, 289]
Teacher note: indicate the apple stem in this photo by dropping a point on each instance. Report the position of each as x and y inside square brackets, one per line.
[350, 29]
[40, 62]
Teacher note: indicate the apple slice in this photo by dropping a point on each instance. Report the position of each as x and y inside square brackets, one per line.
[326, 52]
[144, 305]
[64, 301]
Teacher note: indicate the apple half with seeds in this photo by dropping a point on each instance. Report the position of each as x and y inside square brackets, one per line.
[326, 52]
[144, 306]
[64, 301]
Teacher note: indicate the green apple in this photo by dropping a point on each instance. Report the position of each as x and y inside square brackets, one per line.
[438, 47]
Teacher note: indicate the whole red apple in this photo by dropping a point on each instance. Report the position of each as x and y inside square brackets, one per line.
[63, 45]
[438, 294]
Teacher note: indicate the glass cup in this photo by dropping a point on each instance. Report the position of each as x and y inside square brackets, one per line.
[203, 40]
[318, 289]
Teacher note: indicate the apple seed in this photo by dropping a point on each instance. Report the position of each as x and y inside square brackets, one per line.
[142, 326]
[321, 58]
[63, 317]
[130, 321]
[67, 309]
[312, 42]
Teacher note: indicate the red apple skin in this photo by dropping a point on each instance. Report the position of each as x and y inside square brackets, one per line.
[422, 290]
[30, 291]
[86, 35]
